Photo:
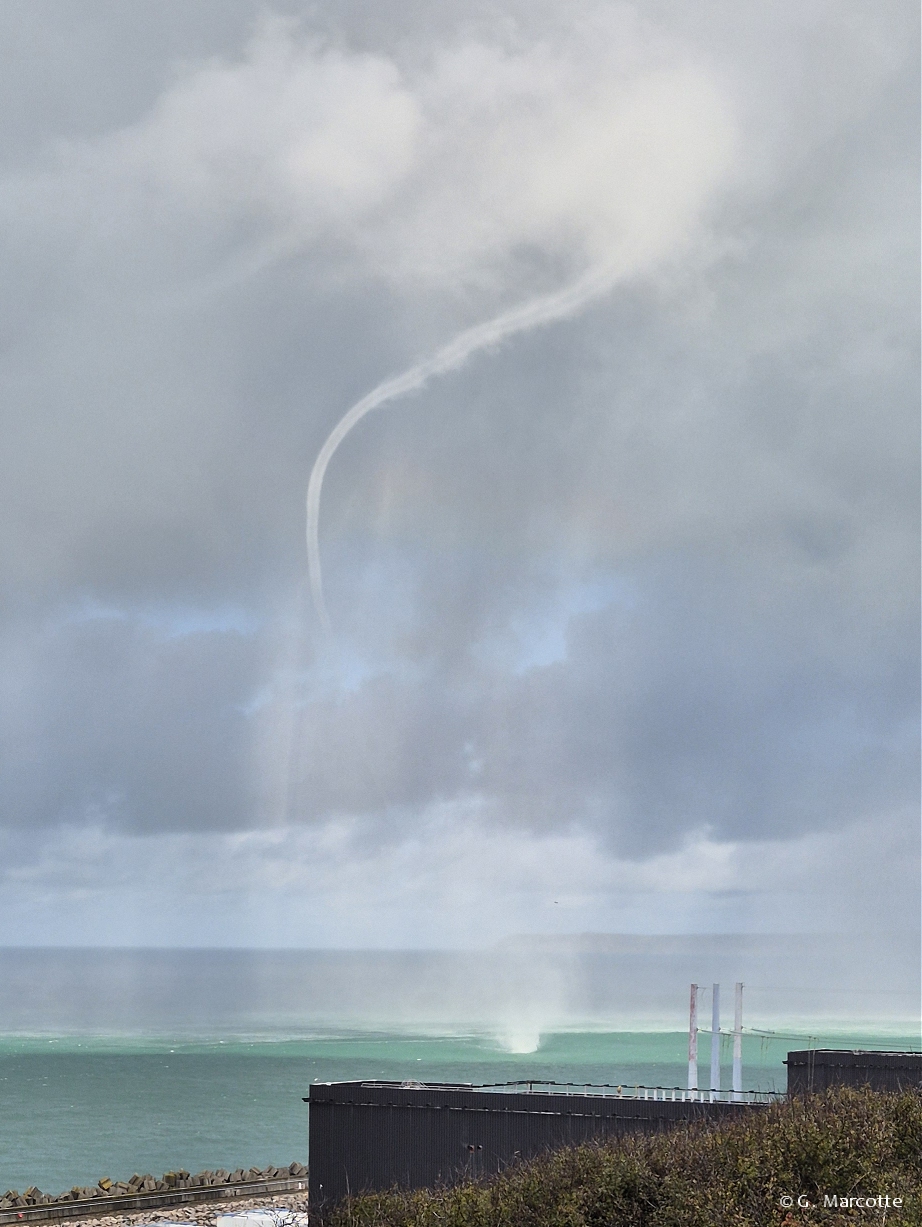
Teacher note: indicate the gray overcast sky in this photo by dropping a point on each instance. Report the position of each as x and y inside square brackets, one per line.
[625, 612]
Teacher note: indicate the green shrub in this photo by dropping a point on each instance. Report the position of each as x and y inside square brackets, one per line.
[842, 1143]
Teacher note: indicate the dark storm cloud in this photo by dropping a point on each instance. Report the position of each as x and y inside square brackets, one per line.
[648, 572]
[133, 725]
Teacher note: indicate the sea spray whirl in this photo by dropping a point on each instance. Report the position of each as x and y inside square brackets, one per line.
[543, 309]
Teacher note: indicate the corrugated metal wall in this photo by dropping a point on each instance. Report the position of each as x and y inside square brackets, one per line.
[824, 1067]
[365, 1137]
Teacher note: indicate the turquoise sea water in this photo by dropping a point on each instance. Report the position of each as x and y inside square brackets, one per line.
[122, 1061]
[73, 1109]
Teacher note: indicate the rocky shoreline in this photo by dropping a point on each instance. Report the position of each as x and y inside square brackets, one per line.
[170, 1182]
[289, 1207]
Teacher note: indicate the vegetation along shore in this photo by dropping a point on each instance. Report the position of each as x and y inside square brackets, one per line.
[845, 1156]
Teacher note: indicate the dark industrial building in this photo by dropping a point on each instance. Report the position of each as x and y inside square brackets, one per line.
[819, 1068]
[374, 1135]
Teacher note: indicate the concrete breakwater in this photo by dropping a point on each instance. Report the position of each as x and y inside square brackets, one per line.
[151, 1190]
[196, 1209]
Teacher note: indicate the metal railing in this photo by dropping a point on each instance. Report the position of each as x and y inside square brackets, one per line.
[609, 1090]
